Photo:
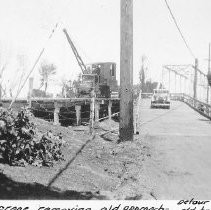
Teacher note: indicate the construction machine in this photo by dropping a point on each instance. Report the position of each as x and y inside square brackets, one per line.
[97, 77]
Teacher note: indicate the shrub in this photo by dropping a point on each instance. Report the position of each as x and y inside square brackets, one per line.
[21, 143]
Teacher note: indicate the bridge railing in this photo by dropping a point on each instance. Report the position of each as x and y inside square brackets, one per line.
[201, 107]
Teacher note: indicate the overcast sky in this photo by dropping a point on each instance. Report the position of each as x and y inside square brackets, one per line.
[94, 26]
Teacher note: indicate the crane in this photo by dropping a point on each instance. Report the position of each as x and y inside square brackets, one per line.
[77, 56]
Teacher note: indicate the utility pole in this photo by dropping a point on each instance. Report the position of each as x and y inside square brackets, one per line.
[126, 129]
[207, 74]
[169, 80]
[195, 79]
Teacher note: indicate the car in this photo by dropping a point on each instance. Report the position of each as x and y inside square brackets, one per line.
[160, 99]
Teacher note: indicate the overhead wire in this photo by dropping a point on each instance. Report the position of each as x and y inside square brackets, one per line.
[180, 32]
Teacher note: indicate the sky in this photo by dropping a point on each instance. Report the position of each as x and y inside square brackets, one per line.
[94, 26]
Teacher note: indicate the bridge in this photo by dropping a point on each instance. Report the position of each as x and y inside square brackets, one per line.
[178, 163]
[180, 142]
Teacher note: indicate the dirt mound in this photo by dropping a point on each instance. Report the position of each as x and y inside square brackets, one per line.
[98, 168]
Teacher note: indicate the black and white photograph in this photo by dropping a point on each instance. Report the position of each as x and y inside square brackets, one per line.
[105, 100]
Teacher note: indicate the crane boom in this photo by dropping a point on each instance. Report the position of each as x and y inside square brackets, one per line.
[77, 56]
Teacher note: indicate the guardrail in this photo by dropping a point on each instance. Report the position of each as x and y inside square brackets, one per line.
[199, 106]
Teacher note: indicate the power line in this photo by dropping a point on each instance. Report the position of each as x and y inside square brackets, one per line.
[183, 38]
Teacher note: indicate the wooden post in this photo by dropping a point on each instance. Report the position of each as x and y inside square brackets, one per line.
[195, 79]
[31, 80]
[92, 113]
[109, 109]
[0, 91]
[56, 113]
[97, 112]
[136, 115]
[78, 114]
[162, 76]
[208, 88]
[126, 71]
[169, 79]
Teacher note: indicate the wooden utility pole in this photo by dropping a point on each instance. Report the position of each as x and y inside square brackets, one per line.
[31, 80]
[126, 129]
[0, 91]
[207, 74]
[169, 80]
[195, 79]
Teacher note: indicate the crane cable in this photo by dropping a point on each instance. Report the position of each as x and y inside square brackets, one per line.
[33, 67]
[182, 36]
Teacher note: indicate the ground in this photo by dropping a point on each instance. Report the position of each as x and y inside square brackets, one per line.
[169, 159]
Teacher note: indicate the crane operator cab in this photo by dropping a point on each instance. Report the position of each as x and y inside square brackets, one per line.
[88, 83]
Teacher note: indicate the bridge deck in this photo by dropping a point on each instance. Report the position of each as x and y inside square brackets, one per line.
[180, 139]
[179, 120]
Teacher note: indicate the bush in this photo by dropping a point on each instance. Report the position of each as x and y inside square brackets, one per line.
[21, 144]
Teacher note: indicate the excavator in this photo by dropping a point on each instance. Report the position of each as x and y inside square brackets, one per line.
[97, 77]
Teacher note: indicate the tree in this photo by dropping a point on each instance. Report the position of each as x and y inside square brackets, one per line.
[46, 71]
[38, 93]
[150, 86]
[142, 74]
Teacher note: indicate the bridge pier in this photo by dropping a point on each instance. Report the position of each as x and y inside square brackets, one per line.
[56, 114]
[109, 109]
[78, 114]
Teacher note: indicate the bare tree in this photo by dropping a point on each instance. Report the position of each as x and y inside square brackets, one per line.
[46, 72]
[142, 73]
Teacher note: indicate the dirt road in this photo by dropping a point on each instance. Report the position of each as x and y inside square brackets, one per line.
[180, 145]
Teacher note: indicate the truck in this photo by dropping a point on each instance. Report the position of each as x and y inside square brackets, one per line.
[160, 99]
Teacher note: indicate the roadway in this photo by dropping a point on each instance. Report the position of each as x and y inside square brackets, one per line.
[179, 166]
